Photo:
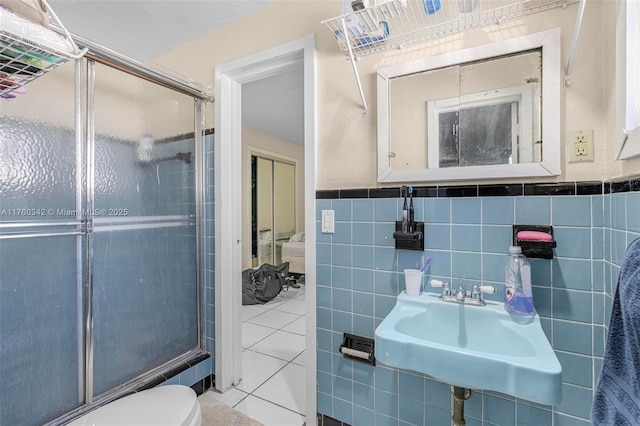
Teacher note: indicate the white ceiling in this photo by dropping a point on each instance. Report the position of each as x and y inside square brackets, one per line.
[145, 29]
[275, 105]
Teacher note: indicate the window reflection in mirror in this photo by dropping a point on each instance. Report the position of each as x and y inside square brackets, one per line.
[480, 113]
[498, 103]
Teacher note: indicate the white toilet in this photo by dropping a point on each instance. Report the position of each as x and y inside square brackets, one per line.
[171, 405]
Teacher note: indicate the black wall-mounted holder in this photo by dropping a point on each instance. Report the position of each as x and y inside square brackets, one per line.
[358, 348]
[409, 240]
[535, 249]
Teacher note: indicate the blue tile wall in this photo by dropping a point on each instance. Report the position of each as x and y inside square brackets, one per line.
[209, 249]
[192, 375]
[359, 277]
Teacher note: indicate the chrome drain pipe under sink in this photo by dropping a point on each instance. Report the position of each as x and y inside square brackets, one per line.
[459, 396]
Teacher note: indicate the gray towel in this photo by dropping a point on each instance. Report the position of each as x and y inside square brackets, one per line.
[617, 397]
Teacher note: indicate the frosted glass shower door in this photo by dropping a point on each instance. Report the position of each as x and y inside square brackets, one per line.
[41, 342]
[145, 309]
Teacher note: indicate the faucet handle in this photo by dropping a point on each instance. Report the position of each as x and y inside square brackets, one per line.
[475, 292]
[446, 287]
[488, 289]
[437, 283]
[478, 289]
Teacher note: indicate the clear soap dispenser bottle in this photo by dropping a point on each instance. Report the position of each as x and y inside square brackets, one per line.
[518, 298]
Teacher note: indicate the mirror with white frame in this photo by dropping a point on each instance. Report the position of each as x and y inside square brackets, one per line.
[487, 112]
[627, 81]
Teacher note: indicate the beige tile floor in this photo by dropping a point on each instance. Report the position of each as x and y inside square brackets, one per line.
[272, 390]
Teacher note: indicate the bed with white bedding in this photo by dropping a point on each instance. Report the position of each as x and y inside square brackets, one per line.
[293, 252]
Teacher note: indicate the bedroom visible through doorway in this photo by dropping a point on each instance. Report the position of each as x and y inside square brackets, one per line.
[231, 170]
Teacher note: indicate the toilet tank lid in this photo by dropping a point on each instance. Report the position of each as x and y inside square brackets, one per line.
[169, 405]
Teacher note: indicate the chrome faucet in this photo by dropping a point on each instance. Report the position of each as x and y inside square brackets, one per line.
[461, 293]
[446, 289]
[461, 296]
[476, 293]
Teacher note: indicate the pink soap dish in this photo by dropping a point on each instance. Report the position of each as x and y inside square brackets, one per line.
[535, 240]
[534, 236]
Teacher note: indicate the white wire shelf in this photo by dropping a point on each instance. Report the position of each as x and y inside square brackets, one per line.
[29, 50]
[400, 23]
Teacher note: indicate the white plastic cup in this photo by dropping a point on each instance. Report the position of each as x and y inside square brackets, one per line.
[412, 281]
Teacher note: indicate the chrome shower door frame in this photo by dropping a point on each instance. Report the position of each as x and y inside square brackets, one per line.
[85, 77]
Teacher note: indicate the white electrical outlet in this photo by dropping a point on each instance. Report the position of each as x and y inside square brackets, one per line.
[580, 146]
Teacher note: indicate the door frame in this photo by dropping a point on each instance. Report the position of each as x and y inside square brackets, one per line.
[229, 78]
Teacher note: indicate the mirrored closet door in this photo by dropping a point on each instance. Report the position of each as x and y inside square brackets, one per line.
[272, 208]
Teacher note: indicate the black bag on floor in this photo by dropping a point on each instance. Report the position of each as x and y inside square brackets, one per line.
[264, 283]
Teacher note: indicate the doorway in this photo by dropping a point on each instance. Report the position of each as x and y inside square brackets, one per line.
[230, 78]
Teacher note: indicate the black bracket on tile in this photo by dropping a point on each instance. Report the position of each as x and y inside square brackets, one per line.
[409, 240]
[535, 249]
[358, 348]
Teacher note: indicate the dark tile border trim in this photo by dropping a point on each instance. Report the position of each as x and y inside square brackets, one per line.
[425, 191]
[384, 193]
[589, 188]
[174, 372]
[623, 186]
[560, 188]
[458, 191]
[203, 385]
[490, 190]
[507, 190]
[328, 195]
[354, 193]
[324, 420]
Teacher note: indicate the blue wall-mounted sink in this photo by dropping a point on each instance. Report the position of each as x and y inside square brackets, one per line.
[475, 347]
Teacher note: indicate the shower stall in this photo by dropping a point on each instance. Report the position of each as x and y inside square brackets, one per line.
[100, 259]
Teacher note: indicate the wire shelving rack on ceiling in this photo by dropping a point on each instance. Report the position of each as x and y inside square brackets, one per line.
[397, 24]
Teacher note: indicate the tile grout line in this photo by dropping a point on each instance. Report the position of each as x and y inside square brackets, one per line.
[286, 362]
[278, 405]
